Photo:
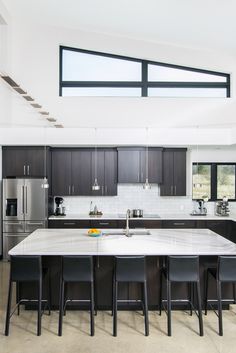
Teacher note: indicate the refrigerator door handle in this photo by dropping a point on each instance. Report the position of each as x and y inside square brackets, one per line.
[23, 200]
[26, 196]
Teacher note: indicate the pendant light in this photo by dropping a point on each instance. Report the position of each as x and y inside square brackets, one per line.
[95, 186]
[146, 185]
[45, 184]
[197, 184]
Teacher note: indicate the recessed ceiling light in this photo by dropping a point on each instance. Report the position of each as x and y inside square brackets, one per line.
[58, 125]
[28, 98]
[36, 105]
[44, 113]
[52, 120]
[19, 90]
[10, 81]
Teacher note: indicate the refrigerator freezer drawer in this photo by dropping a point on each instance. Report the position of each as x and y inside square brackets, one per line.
[13, 227]
[30, 226]
[11, 240]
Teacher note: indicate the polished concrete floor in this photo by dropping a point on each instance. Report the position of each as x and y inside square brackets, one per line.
[130, 337]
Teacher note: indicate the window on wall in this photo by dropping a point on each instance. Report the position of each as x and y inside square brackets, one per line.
[89, 73]
[214, 180]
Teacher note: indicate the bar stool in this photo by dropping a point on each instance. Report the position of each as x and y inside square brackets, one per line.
[26, 269]
[130, 269]
[76, 269]
[224, 272]
[182, 269]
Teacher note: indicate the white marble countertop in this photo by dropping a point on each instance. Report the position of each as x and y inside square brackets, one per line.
[52, 242]
[161, 216]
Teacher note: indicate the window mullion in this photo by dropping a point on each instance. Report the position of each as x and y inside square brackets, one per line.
[144, 79]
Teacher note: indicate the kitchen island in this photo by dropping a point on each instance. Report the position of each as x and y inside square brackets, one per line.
[51, 244]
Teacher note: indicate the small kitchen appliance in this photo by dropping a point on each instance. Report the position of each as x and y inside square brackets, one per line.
[137, 213]
[222, 207]
[60, 210]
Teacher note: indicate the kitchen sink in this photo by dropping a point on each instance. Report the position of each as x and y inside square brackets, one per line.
[131, 232]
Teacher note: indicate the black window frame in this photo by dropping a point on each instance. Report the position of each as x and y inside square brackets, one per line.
[213, 196]
[144, 84]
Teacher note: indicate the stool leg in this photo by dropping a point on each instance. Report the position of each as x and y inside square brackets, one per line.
[39, 307]
[95, 295]
[206, 291]
[115, 294]
[92, 309]
[8, 313]
[199, 308]
[61, 307]
[49, 294]
[190, 297]
[65, 291]
[160, 294]
[234, 295]
[219, 307]
[145, 309]
[18, 297]
[169, 307]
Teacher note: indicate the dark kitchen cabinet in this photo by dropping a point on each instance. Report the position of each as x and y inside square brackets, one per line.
[175, 224]
[81, 172]
[24, 162]
[221, 227]
[174, 173]
[61, 173]
[73, 172]
[67, 223]
[132, 165]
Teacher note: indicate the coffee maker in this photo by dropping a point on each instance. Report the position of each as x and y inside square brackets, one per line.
[60, 210]
[222, 207]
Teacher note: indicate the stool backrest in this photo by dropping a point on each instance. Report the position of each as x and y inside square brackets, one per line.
[77, 268]
[227, 268]
[26, 268]
[130, 268]
[183, 268]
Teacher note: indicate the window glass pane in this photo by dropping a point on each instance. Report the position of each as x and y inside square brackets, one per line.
[225, 181]
[101, 91]
[79, 66]
[187, 92]
[201, 181]
[163, 73]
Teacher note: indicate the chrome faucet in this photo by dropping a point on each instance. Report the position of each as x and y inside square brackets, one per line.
[127, 232]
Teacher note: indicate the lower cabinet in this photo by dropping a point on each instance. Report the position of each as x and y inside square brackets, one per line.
[220, 227]
[59, 223]
[178, 224]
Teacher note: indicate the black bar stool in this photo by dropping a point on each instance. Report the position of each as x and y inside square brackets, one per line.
[26, 269]
[130, 269]
[76, 269]
[182, 269]
[224, 272]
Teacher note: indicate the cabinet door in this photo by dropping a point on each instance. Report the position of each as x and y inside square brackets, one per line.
[110, 173]
[81, 177]
[61, 173]
[167, 187]
[219, 227]
[14, 162]
[154, 165]
[179, 173]
[129, 166]
[35, 162]
[99, 171]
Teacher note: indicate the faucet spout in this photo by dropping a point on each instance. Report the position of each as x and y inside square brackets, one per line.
[127, 232]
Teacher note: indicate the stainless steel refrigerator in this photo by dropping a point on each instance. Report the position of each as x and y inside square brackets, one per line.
[24, 210]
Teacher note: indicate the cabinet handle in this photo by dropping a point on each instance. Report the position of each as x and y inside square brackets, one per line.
[35, 223]
[104, 223]
[28, 170]
[175, 189]
[11, 223]
[69, 189]
[106, 189]
[69, 223]
[171, 190]
[142, 176]
[138, 177]
[73, 189]
[102, 190]
[24, 169]
[179, 224]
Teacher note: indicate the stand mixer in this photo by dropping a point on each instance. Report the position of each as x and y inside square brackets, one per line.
[60, 210]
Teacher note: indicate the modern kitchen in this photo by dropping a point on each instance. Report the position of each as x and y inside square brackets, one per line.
[118, 177]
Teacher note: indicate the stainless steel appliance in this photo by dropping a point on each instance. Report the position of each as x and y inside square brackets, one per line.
[201, 210]
[137, 212]
[222, 207]
[24, 210]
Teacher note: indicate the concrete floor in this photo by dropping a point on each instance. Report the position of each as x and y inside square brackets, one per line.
[130, 337]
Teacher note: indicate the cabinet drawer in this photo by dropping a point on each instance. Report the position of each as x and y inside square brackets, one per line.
[68, 224]
[178, 224]
[104, 223]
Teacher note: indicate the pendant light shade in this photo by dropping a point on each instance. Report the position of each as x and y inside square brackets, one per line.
[95, 186]
[146, 185]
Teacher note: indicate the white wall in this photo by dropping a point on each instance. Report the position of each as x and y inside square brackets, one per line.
[35, 65]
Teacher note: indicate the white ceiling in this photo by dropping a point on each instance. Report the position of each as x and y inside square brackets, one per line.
[208, 24]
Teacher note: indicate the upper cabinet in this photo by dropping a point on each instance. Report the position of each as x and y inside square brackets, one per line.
[28, 162]
[174, 172]
[132, 165]
[79, 169]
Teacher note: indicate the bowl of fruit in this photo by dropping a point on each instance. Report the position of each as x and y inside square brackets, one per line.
[94, 232]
